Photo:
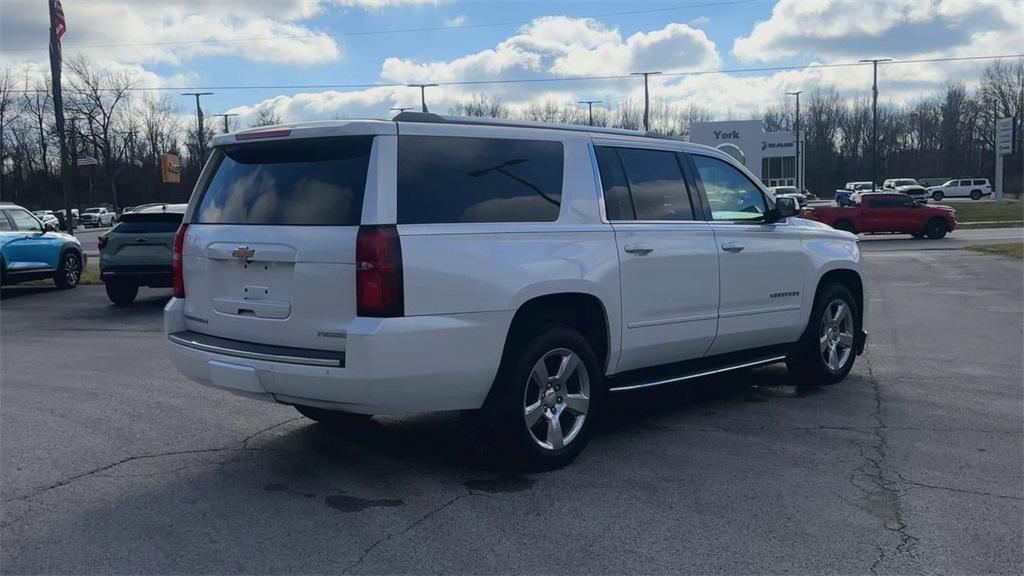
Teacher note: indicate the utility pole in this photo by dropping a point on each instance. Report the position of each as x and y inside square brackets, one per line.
[796, 128]
[423, 94]
[225, 116]
[647, 98]
[874, 120]
[590, 108]
[201, 138]
[57, 29]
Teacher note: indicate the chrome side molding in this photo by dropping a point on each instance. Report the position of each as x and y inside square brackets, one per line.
[702, 374]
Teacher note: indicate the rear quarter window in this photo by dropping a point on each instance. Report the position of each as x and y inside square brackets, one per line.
[147, 224]
[452, 179]
[303, 182]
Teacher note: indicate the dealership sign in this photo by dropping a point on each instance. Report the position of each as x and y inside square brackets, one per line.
[1004, 136]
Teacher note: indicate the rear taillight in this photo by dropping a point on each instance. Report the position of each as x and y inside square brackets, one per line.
[101, 242]
[379, 284]
[178, 262]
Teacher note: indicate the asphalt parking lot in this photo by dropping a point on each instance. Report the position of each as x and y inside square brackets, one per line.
[112, 462]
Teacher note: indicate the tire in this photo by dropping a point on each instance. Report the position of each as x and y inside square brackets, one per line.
[335, 419]
[845, 226]
[975, 194]
[122, 293]
[3, 272]
[826, 352]
[937, 196]
[69, 271]
[546, 399]
[936, 228]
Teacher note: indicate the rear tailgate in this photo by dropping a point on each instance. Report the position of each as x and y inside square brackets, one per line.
[141, 240]
[269, 253]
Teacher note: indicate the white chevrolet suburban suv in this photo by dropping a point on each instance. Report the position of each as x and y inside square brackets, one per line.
[528, 271]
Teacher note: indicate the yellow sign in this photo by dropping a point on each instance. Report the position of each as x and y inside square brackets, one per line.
[170, 168]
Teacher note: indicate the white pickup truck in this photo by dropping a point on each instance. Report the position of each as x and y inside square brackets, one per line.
[528, 271]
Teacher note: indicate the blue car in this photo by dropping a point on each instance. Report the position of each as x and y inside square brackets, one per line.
[30, 250]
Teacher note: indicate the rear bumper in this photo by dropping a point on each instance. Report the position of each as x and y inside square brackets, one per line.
[153, 276]
[389, 366]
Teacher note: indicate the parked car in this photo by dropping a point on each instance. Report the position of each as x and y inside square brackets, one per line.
[973, 188]
[888, 212]
[907, 186]
[844, 196]
[29, 251]
[436, 263]
[790, 191]
[97, 217]
[137, 251]
[49, 220]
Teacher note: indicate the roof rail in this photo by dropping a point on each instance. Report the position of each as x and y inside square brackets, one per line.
[431, 118]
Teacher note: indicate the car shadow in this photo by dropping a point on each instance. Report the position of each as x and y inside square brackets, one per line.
[8, 292]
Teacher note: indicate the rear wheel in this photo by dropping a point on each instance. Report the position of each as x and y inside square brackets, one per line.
[335, 419]
[826, 352]
[122, 293]
[975, 194]
[69, 272]
[546, 398]
[845, 226]
[936, 229]
[937, 195]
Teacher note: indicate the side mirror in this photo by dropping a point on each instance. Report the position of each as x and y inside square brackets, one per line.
[785, 206]
[51, 227]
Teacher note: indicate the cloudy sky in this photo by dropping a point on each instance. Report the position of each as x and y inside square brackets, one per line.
[222, 44]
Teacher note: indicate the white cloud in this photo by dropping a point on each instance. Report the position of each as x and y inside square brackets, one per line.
[456, 21]
[895, 28]
[381, 4]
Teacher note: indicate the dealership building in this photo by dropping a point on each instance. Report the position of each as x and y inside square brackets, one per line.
[771, 156]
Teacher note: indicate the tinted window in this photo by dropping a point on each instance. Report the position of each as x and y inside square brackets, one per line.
[656, 184]
[617, 204]
[979, 182]
[316, 181]
[965, 182]
[731, 194]
[25, 221]
[5, 225]
[445, 179]
[148, 223]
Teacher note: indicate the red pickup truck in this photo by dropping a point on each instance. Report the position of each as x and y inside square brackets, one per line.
[895, 213]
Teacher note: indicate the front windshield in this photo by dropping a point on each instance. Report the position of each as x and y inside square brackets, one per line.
[92, 210]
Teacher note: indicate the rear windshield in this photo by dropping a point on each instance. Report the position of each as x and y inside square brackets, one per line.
[148, 223]
[311, 182]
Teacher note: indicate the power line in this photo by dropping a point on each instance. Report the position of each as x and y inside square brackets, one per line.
[544, 80]
[387, 31]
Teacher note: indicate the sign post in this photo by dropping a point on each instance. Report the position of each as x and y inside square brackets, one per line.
[1004, 146]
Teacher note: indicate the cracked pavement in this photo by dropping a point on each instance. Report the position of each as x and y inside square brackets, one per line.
[111, 462]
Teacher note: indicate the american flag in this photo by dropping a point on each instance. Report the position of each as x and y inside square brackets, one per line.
[60, 27]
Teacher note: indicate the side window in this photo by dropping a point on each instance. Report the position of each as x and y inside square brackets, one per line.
[731, 194]
[907, 202]
[656, 184]
[979, 182]
[449, 179]
[5, 224]
[25, 221]
[617, 203]
[965, 182]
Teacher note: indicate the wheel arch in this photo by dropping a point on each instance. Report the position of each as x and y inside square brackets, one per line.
[849, 278]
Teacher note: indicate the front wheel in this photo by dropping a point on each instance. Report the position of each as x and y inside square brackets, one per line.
[546, 398]
[936, 229]
[122, 294]
[69, 272]
[826, 352]
[976, 195]
[937, 196]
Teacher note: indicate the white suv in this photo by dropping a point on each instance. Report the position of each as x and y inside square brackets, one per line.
[973, 188]
[353, 268]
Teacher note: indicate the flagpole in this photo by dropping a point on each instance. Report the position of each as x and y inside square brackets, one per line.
[58, 113]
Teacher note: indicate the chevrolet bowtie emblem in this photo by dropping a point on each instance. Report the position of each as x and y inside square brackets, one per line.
[243, 253]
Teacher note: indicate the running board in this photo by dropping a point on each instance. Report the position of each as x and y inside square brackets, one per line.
[700, 374]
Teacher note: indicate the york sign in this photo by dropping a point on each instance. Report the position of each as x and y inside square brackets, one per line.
[731, 135]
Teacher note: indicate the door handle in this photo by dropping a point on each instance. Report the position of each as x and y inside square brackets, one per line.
[733, 247]
[639, 249]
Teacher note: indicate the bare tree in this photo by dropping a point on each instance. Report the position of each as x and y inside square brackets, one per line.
[480, 105]
[100, 98]
[266, 117]
[37, 107]
[6, 99]
[160, 125]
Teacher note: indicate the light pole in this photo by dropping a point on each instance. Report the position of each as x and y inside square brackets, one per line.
[590, 108]
[647, 97]
[796, 127]
[874, 120]
[225, 116]
[199, 123]
[423, 94]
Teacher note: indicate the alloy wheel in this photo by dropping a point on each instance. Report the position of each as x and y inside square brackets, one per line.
[557, 399]
[72, 271]
[835, 337]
